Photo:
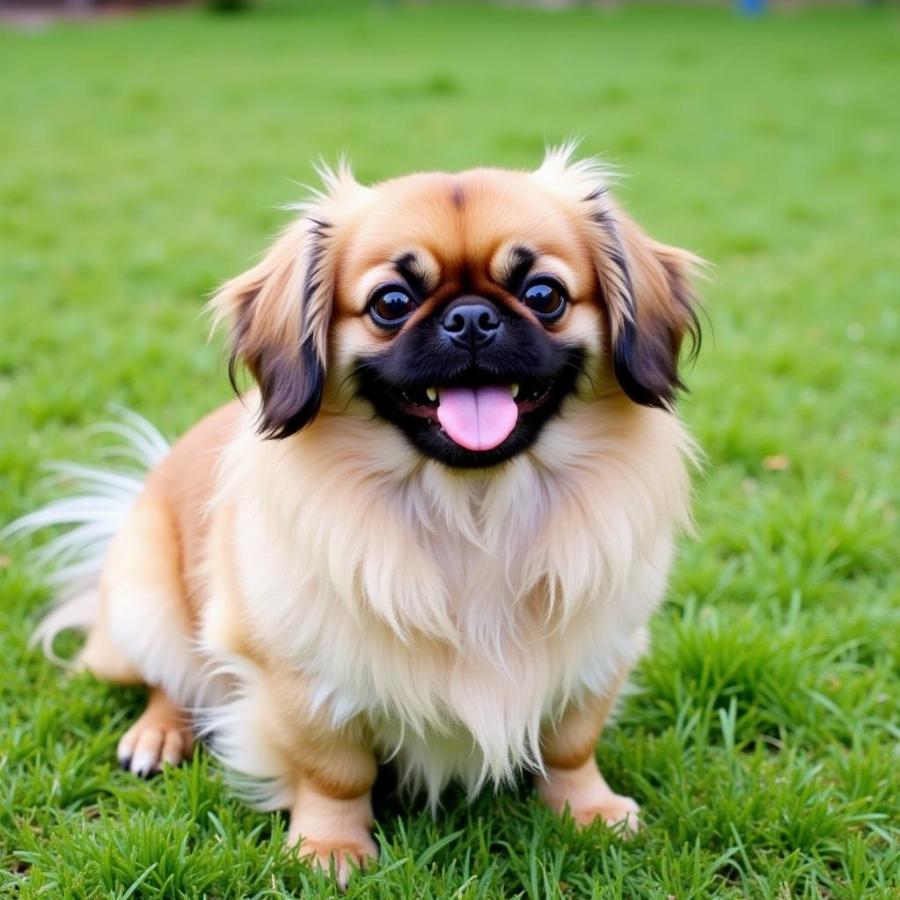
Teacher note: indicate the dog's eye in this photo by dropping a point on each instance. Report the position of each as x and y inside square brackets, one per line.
[390, 306]
[546, 298]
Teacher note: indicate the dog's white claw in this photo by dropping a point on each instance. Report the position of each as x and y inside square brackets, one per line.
[145, 763]
[158, 738]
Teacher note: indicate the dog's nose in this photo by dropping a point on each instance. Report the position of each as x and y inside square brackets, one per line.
[471, 322]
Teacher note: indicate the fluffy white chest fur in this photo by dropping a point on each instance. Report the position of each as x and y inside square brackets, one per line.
[457, 612]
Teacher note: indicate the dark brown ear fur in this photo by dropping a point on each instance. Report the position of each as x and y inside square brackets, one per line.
[291, 385]
[651, 304]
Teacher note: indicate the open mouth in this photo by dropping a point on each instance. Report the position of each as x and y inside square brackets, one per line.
[474, 416]
[477, 417]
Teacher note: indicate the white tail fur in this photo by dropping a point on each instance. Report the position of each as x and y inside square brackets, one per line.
[90, 516]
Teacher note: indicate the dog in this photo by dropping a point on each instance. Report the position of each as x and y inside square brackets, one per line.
[435, 530]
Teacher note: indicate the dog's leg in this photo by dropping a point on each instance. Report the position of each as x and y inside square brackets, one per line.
[295, 757]
[162, 735]
[572, 777]
[143, 634]
[332, 773]
[103, 659]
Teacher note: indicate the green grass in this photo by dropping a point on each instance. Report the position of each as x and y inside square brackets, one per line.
[144, 160]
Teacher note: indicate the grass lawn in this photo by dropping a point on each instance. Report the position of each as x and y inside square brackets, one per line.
[145, 159]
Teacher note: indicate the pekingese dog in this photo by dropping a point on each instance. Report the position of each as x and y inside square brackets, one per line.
[435, 532]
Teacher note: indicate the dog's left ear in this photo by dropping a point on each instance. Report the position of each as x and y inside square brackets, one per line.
[648, 291]
[280, 310]
[646, 287]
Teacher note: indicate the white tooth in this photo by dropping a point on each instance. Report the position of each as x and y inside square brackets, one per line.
[515, 390]
[431, 394]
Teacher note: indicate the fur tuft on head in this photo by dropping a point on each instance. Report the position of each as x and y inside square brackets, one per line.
[576, 178]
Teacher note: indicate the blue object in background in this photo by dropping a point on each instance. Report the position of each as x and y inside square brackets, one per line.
[752, 7]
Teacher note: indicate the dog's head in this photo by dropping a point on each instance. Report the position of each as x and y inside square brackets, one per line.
[465, 309]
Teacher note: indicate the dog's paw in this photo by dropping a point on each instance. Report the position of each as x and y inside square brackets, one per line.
[159, 737]
[615, 810]
[330, 831]
[343, 855]
[586, 795]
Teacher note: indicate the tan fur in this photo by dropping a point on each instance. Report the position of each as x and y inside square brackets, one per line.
[104, 660]
[571, 779]
[335, 598]
[568, 743]
[184, 482]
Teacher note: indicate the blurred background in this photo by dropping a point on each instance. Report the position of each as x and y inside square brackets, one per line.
[147, 151]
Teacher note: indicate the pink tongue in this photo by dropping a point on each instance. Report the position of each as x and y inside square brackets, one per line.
[477, 418]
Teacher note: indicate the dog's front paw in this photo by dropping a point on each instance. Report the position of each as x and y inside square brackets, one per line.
[617, 811]
[344, 855]
[588, 797]
[161, 736]
[331, 831]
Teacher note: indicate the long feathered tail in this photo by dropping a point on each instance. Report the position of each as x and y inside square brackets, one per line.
[87, 517]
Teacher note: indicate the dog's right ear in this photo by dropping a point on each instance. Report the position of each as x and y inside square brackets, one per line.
[280, 312]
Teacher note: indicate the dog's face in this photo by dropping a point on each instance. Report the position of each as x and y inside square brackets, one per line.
[466, 313]
[465, 309]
